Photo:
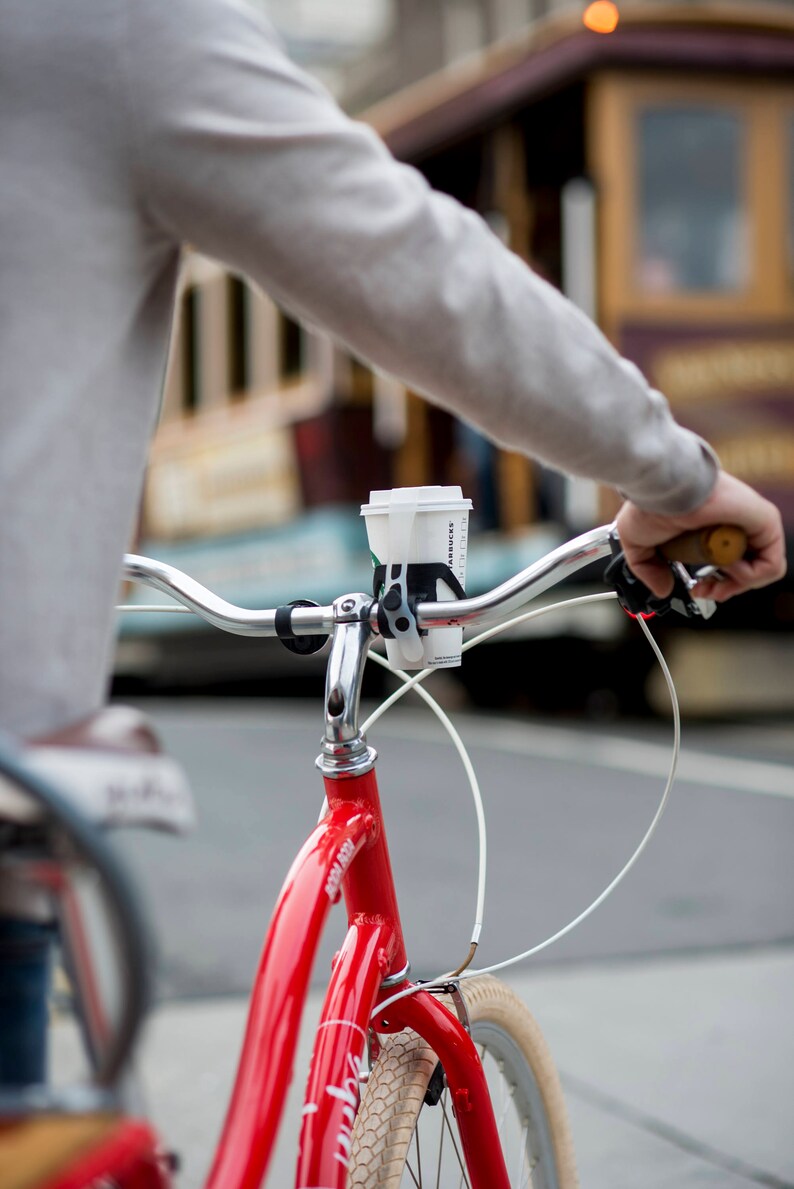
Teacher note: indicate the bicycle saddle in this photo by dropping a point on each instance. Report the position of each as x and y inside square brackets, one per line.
[112, 767]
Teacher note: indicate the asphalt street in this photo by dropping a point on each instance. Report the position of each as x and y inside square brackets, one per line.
[566, 806]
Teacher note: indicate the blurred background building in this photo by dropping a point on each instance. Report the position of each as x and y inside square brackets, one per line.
[648, 172]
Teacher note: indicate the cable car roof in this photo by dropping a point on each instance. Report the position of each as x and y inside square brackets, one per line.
[555, 52]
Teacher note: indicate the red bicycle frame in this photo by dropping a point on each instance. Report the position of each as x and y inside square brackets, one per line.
[128, 1155]
[348, 853]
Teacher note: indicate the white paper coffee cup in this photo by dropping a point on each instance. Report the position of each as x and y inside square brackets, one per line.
[431, 524]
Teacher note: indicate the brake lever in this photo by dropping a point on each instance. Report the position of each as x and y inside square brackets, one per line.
[637, 599]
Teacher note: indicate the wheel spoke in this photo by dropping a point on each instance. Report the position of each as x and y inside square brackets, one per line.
[409, 1170]
[443, 1105]
[448, 1127]
[504, 1112]
[523, 1155]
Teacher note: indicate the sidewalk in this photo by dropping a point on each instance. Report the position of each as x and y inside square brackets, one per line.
[679, 1072]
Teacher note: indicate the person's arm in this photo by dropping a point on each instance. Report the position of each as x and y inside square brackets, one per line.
[243, 155]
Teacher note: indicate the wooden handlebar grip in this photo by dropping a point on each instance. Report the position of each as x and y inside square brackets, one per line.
[720, 545]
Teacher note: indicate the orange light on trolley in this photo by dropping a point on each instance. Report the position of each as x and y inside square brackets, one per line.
[601, 16]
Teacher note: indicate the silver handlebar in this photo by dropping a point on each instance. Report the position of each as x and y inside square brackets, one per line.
[534, 580]
[550, 570]
[241, 621]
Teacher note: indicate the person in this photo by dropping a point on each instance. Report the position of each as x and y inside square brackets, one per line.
[132, 128]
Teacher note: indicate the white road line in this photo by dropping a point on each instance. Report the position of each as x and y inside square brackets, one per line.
[583, 746]
[577, 745]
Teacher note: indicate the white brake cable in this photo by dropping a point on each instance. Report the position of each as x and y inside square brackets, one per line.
[440, 981]
[414, 683]
[644, 841]
[471, 775]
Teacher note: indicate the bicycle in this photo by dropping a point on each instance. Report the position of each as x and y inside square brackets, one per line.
[390, 1056]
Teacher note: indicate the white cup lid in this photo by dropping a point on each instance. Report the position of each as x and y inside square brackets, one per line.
[428, 499]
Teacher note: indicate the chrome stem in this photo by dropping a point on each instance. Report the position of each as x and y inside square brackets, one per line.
[344, 748]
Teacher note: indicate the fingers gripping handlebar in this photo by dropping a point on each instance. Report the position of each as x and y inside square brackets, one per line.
[719, 545]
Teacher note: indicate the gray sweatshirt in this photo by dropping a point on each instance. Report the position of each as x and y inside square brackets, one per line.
[131, 127]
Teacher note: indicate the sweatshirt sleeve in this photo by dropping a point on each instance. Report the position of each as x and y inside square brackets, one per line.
[247, 158]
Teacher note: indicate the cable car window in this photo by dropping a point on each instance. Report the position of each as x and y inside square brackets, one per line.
[693, 221]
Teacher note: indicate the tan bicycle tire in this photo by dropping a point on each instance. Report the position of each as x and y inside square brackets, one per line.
[394, 1094]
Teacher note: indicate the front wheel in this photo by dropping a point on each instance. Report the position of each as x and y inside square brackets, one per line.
[400, 1139]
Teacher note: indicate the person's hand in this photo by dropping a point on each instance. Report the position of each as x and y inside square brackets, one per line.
[731, 502]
